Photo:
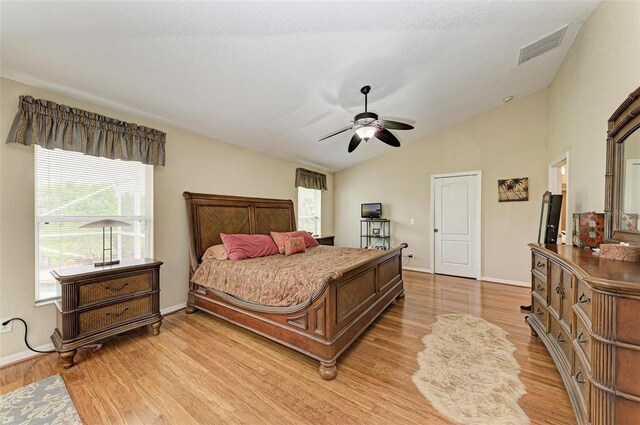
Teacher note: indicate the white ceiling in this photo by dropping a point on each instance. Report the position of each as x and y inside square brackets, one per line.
[275, 77]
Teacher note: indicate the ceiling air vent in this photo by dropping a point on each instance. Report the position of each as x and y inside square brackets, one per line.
[542, 45]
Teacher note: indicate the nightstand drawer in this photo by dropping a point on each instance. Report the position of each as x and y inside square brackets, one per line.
[106, 289]
[99, 318]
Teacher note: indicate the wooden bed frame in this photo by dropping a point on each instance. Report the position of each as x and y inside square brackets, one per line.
[322, 328]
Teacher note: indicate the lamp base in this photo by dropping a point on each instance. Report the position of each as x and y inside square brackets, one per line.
[106, 263]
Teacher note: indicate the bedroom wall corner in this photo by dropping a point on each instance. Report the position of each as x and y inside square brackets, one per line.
[600, 70]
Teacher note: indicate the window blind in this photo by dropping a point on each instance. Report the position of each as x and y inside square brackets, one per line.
[309, 210]
[73, 189]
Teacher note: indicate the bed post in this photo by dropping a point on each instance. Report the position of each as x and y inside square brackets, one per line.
[193, 255]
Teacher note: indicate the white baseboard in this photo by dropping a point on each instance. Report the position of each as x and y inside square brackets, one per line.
[417, 269]
[24, 355]
[27, 354]
[173, 308]
[506, 281]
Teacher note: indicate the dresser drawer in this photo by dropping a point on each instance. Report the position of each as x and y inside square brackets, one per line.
[583, 338]
[566, 295]
[580, 379]
[540, 264]
[539, 311]
[103, 317]
[540, 288]
[107, 289]
[562, 339]
[583, 298]
[555, 288]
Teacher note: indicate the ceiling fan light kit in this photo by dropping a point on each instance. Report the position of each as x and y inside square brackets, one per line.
[366, 132]
[368, 125]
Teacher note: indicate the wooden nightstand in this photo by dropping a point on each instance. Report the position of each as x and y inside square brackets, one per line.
[325, 240]
[99, 302]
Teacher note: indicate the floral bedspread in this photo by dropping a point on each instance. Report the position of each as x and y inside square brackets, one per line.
[280, 280]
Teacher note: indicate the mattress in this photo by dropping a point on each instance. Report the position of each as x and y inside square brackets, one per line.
[280, 280]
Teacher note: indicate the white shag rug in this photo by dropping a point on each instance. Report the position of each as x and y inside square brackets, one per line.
[469, 374]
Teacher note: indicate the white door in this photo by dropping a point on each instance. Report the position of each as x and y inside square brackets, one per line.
[456, 232]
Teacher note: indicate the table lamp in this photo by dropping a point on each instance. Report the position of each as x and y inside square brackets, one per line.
[104, 224]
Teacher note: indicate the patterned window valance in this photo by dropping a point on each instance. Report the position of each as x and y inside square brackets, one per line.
[310, 179]
[54, 126]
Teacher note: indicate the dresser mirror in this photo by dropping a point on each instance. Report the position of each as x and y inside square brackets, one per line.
[622, 180]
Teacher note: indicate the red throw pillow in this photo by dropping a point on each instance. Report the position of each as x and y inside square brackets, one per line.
[294, 245]
[242, 246]
[281, 237]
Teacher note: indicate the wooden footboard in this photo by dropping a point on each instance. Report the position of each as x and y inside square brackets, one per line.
[322, 328]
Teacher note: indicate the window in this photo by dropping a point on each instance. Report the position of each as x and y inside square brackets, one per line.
[309, 210]
[73, 189]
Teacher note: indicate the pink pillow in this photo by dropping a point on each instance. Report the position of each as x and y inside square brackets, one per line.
[294, 245]
[242, 246]
[281, 237]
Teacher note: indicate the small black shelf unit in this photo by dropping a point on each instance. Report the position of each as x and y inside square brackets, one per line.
[375, 233]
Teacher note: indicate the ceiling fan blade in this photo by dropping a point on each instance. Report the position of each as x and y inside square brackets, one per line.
[387, 137]
[342, 130]
[355, 141]
[395, 125]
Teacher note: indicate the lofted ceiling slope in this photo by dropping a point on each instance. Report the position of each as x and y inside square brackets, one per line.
[276, 76]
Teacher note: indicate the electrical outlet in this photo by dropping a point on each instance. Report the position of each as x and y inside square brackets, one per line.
[7, 328]
[412, 221]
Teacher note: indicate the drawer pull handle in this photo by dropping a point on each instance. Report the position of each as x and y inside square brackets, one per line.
[560, 338]
[580, 340]
[539, 264]
[114, 289]
[118, 314]
[558, 289]
[577, 377]
[583, 299]
[563, 293]
[539, 287]
[539, 312]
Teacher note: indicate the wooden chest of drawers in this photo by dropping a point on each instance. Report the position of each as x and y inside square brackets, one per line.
[99, 302]
[586, 310]
[325, 240]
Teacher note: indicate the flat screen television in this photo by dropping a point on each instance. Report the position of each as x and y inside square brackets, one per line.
[371, 210]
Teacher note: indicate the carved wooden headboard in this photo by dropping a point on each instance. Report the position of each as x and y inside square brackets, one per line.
[210, 215]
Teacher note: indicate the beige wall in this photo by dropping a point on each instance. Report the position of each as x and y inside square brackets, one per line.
[600, 70]
[508, 141]
[194, 163]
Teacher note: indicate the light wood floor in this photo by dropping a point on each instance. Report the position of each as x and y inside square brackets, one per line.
[202, 370]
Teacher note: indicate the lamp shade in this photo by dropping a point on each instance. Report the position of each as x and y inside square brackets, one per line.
[105, 223]
[366, 132]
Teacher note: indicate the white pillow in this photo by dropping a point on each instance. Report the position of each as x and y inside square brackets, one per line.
[216, 252]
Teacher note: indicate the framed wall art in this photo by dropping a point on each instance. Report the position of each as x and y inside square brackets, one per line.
[513, 190]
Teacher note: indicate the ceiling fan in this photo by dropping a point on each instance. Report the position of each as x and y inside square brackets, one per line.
[367, 125]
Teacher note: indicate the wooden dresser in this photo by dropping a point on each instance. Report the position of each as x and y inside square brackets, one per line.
[586, 311]
[99, 302]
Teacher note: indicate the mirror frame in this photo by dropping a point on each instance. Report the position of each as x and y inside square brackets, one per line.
[624, 121]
